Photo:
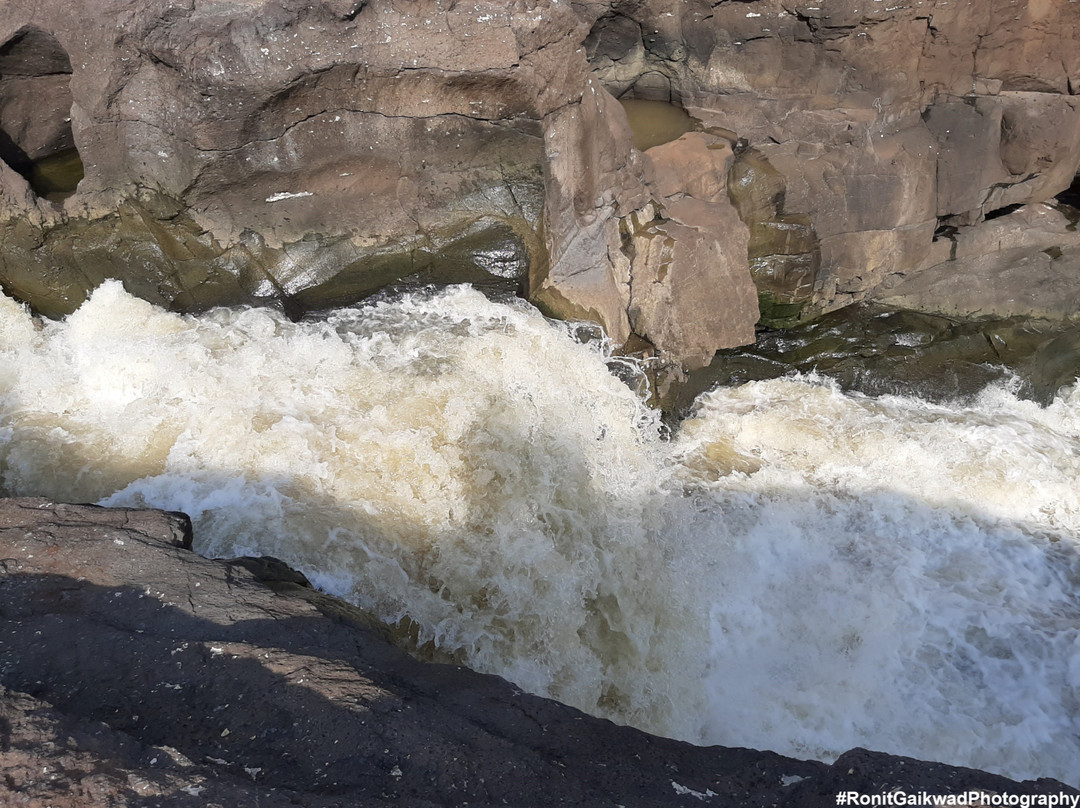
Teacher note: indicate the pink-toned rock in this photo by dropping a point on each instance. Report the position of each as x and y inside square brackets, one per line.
[1026, 263]
[862, 118]
[691, 292]
[310, 153]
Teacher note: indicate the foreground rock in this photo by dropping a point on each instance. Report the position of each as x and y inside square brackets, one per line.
[134, 672]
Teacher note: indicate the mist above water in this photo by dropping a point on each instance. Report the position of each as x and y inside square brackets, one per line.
[798, 569]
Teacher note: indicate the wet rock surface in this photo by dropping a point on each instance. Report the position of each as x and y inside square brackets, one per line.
[309, 153]
[880, 351]
[135, 673]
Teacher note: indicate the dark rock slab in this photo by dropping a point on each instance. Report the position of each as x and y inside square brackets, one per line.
[135, 673]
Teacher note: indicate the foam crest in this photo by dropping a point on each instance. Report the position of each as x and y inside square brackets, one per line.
[447, 461]
[890, 566]
[799, 569]
[1001, 457]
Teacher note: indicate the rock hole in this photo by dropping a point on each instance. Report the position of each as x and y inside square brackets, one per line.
[36, 138]
[616, 51]
[628, 62]
[1071, 195]
[656, 122]
[945, 230]
[636, 69]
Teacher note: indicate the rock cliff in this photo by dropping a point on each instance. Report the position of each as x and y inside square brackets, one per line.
[311, 152]
[871, 130]
[133, 672]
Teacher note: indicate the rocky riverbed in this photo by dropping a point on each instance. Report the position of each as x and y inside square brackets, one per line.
[301, 156]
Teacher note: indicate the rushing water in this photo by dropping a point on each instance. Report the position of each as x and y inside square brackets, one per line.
[798, 568]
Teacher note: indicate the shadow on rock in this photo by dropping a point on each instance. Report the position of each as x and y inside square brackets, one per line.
[135, 672]
[202, 683]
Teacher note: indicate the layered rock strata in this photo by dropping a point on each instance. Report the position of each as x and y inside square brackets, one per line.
[310, 153]
[869, 127]
[1024, 263]
[134, 672]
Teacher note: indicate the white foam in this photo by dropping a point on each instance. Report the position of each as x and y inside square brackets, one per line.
[800, 569]
[895, 566]
[287, 195]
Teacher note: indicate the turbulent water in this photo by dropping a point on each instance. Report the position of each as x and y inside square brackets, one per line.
[797, 569]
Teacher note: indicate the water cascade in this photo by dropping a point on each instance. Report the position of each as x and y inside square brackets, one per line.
[797, 568]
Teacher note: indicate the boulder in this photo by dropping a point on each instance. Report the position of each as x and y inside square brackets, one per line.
[134, 672]
[690, 281]
[1026, 263]
[998, 151]
[651, 246]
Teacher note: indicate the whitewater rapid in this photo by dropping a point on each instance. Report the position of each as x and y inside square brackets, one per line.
[797, 569]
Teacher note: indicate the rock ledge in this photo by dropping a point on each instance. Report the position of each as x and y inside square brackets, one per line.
[133, 672]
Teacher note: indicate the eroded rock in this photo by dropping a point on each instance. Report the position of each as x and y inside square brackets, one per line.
[1025, 263]
[313, 152]
[869, 125]
[691, 288]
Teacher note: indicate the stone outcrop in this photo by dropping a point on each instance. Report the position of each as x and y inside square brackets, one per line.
[651, 245]
[135, 673]
[310, 153]
[693, 249]
[300, 152]
[1024, 263]
[868, 126]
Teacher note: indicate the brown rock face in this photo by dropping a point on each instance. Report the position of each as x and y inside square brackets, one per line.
[299, 152]
[135, 673]
[309, 153]
[1024, 263]
[35, 95]
[869, 125]
[691, 287]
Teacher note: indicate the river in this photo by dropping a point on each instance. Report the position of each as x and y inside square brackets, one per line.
[793, 567]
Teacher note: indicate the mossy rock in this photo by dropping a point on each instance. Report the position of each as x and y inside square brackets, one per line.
[162, 255]
[778, 313]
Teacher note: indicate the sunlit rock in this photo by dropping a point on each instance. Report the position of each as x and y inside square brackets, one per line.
[307, 154]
